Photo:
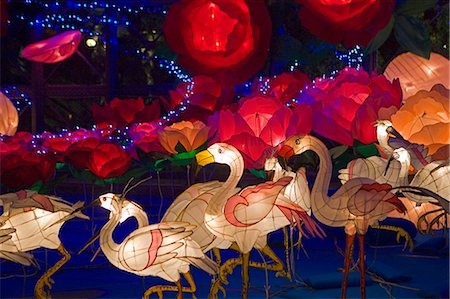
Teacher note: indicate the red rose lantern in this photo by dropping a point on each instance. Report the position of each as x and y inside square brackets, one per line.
[108, 161]
[227, 38]
[257, 128]
[145, 136]
[351, 103]
[22, 168]
[54, 49]
[78, 153]
[350, 22]
[122, 112]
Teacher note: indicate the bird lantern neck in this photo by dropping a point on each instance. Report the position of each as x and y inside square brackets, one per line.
[322, 207]
[109, 247]
[236, 164]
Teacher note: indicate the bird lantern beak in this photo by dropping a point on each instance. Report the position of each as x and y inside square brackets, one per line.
[394, 132]
[284, 154]
[204, 158]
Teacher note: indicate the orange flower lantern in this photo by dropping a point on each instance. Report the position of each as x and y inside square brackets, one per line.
[418, 73]
[9, 118]
[425, 119]
[227, 38]
[185, 133]
[54, 49]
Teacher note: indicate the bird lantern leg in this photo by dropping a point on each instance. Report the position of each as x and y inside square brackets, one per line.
[177, 288]
[216, 252]
[349, 239]
[400, 233]
[245, 276]
[362, 266]
[277, 266]
[225, 269]
[286, 248]
[46, 280]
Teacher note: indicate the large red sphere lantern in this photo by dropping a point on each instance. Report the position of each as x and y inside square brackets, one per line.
[228, 39]
[54, 49]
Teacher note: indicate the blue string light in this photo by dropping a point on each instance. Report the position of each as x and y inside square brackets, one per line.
[17, 97]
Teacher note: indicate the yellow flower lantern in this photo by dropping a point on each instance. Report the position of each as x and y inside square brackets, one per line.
[189, 135]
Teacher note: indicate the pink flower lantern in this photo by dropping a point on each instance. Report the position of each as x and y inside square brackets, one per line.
[54, 49]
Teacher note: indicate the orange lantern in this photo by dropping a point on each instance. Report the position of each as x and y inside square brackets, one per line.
[54, 49]
[425, 119]
[418, 73]
[9, 118]
[189, 135]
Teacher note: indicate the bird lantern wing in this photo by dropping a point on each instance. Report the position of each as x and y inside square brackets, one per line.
[253, 203]
[200, 191]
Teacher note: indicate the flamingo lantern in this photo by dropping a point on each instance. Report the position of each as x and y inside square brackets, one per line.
[389, 140]
[36, 220]
[248, 216]
[393, 171]
[190, 206]
[359, 203]
[14, 255]
[164, 249]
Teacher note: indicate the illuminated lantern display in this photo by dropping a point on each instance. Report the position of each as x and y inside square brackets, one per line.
[36, 220]
[9, 118]
[425, 210]
[350, 22]
[358, 204]
[425, 119]
[204, 95]
[108, 160]
[228, 39]
[434, 177]
[189, 135]
[351, 103]
[54, 49]
[418, 154]
[145, 136]
[417, 73]
[22, 168]
[190, 206]
[122, 112]
[248, 216]
[385, 171]
[297, 190]
[163, 249]
[259, 125]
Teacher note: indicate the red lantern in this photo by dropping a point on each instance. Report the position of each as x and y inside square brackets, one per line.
[226, 38]
[54, 49]
[351, 22]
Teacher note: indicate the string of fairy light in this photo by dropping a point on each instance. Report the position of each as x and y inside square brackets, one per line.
[116, 14]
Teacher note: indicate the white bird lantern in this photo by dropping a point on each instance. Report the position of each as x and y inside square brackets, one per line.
[35, 221]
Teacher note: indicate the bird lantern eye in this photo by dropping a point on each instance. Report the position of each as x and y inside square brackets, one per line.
[297, 141]
[220, 150]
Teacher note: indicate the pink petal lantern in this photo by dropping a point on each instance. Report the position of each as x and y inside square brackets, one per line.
[417, 73]
[54, 49]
